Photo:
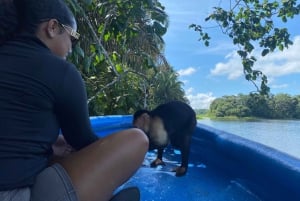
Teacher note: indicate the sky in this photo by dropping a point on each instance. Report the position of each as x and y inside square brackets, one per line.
[215, 71]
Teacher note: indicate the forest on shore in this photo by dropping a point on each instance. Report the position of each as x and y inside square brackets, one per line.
[279, 106]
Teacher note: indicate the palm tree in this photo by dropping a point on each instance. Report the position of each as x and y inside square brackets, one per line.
[166, 87]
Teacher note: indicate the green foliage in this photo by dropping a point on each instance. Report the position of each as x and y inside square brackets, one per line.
[120, 55]
[284, 106]
[166, 87]
[201, 113]
[258, 105]
[230, 106]
[251, 23]
[280, 106]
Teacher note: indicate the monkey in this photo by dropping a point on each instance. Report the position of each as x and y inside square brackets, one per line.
[170, 123]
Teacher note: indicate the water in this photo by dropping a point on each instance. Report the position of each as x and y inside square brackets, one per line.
[283, 135]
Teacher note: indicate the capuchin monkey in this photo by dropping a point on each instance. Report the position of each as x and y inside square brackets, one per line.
[173, 122]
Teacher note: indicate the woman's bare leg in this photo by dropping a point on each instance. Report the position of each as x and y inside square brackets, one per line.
[97, 170]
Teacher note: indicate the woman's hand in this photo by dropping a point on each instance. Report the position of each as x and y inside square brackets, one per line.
[61, 148]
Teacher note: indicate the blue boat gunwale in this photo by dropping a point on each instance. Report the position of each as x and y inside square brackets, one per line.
[267, 172]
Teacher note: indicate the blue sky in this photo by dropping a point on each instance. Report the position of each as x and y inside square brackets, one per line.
[214, 71]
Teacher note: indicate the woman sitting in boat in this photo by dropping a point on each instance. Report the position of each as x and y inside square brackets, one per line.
[40, 94]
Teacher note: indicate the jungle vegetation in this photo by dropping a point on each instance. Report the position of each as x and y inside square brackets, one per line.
[121, 51]
[279, 106]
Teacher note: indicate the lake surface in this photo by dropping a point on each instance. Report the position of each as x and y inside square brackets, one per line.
[283, 135]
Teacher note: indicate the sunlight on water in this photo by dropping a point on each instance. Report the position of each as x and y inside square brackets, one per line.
[283, 135]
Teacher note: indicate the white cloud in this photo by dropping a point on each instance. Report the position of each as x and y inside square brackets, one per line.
[189, 91]
[276, 64]
[185, 72]
[281, 86]
[185, 81]
[200, 100]
[233, 68]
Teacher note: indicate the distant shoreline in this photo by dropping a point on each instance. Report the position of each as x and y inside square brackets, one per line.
[235, 118]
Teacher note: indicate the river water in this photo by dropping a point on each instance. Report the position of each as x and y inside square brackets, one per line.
[283, 135]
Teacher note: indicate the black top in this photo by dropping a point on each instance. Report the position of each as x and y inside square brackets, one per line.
[40, 94]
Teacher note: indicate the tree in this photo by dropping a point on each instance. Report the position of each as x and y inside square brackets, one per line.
[249, 23]
[216, 108]
[230, 106]
[166, 87]
[280, 106]
[297, 115]
[284, 106]
[259, 105]
[120, 50]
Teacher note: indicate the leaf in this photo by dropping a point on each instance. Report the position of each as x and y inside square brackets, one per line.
[80, 51]
[242, 54]
[87, 63]
[265, 52]
[119, 68]
[107, 37]
[208, 18]
[280, 47]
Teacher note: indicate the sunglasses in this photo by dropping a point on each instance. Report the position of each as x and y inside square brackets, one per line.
[74, 35]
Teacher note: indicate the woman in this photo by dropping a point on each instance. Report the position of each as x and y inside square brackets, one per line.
[41, 93]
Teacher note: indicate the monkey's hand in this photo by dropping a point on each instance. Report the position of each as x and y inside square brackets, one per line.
[157, 162]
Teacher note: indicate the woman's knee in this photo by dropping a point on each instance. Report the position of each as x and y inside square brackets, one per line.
[139, 136]
[134, 139]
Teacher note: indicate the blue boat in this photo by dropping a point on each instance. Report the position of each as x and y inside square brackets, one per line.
[222, 167]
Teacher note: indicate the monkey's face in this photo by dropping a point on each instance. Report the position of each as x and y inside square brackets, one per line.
[142, 122]
[158, 136]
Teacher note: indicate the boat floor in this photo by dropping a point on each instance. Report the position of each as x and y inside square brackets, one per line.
[201, 183]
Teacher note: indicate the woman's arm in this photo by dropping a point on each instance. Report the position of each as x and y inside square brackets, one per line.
[72, 110]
